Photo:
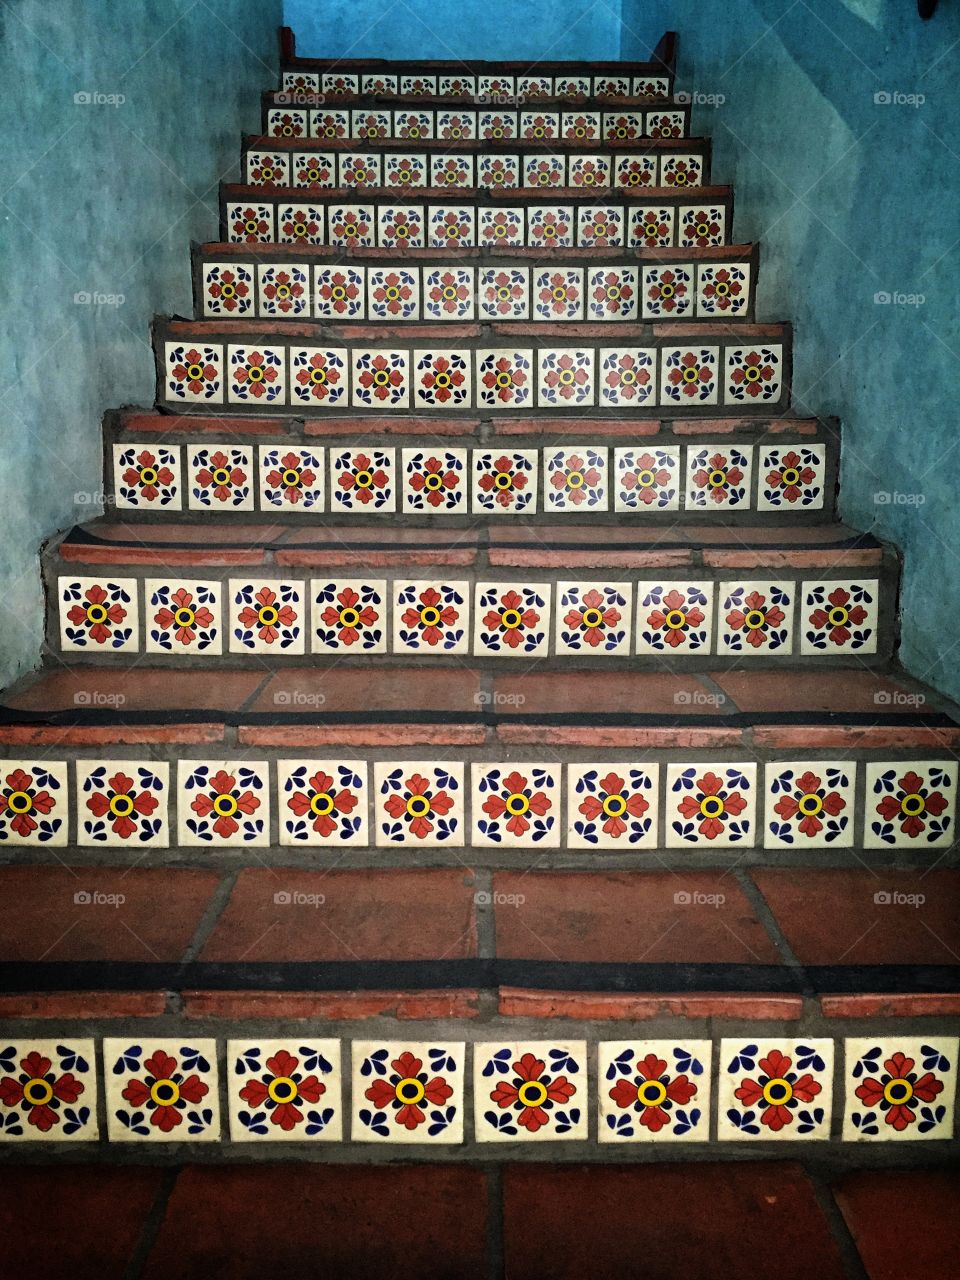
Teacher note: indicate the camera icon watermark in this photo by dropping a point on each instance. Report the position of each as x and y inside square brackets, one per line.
[482, 698]
[295, 898]
[898, 698]
[695, 898]
[94, 98]
[98, 698]
[699, 99]
[897, 298]
[897, 98]
[96, 898]
[894, 498]
[896, 898]
[484, 898]
[94, 298]
[698, 698]
[297, 698]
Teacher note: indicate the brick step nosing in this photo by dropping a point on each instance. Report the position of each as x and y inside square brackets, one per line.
[618, 255]
[479, 146]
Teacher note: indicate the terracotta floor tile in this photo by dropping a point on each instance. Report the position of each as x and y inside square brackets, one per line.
[813, 690]
[905, 1222]
[647, 693]
[369, 690]
[142, 689]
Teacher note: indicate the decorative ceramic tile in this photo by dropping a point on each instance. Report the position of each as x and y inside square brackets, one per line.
[349, 615]
[600, 227]
[495, 88]
[702, 225]
[300, 82]
[768, 1089]
[339, 292]
[575, 479]
[362, 481]
[650, 87]
[688, 375]
[284, 1090]
[612, 806]
[711, 804]
[380, 379]
[505, 483]
[723, 290]
[580, 126]
[220, 477]
[400, 226]
[359, 169]
[501, 226]
[123, 803]
[448, 293]
[667, 291]
[284, 291]
[809, 804]
[34, 802]
[228, 288]
[646, 479]
[532, 87]
[99, 613]
[627, 376]
[498, 172]
[408, 1092]
[431, 617]
[654, 1090]
[418, 86]
[161, 1090]
[755, 618]
[250, 223]
[651, 226]
[256, 375]
[48, 1091]
[572, 87]
[268, 169]
[412, 125]
[899, 1089]
[839, 616]
[194, 374]
[535, 1090]
[674, 616]
[318, 377]
[292, 478]
[516, 805]
[393, 293]
[266, 616]
[418, 803]
[300, 224]
[504, 378]
[623, 126]
[635, 171]
[451, 170]
[503, 293]
[664, 124]
[612, 293]
[456, 126]
[550, 226]
[331, 124]
[611, 86]
[378, 84]
[402, 169]
[512, 620]
[594, 618]
[539, 126]
[558, 294]
[370, 126]
[442, 380]
[456, 86]
[588, 171]
[223, 802]
[322, 802]
[351, 226]
[791, 476]
[910, 804]
[336, 85]
[146, 476]
[434, 480]
[719, 477]
[182, 616]
[566, 376]
[754, 374]
[681, 171]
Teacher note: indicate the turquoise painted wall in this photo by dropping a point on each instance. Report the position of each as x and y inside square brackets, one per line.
[852, 190]
[101, 200]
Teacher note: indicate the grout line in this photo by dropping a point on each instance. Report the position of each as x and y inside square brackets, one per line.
[496, 1261]
[769, 921]
[211, 914]
[851, 1260]
[151, 1225]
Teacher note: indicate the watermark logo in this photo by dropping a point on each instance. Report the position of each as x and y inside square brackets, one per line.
[698, 698]
[686, 898]
[885, 298]
[894, 498]
[95, 898]
[484, 699]
[98, 698]
[898, 698]
[897, 98]
[484, 898]
[698, 99]
[294, 898]
[895, 898]
[94, 98]
[298, 698]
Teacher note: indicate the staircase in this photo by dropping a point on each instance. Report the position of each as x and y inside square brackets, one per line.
[471, 726]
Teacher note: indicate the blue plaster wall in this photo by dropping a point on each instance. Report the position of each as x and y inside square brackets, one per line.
[851, 198]
[101, 199]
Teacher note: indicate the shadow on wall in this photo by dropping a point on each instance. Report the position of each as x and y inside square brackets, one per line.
[839, 122]
[119, 121]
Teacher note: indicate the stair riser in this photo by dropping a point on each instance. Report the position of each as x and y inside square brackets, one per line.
[312, 216]
[620, 82]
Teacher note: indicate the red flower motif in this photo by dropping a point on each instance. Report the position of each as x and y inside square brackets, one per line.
[567, 377]
[348, 616]
[443, 380]
[724, 289]
[777, 1091]
[544, 174]
[370, 127]
[456, 127]
[652, 1092]
[790, 475]
[23, 800]
[503, 481]
[612, 803]
[402, 228]
[500, 227]
[381, 377]
[267, 171]
[340, 291]
[450, 174]
[600, 231]
[682, 175]
[256, 373]
[538, 128]
[752, 374]
[418, 804]
[510, 619]
[349, 228]
[911, 804]
[502, 293]
[629, 376]
[755, 618]
[668, 290]
[557, 294]
[97, 616]
[283, 290]
[123, 804]
[516, 800]
[268, 616]
[810, 800]
[195, 372]
[894, 1091]
[702, 230]
[498, 128]
[574, 477]
[614, 293]
[637, 173]
[653, 229]
[450, 291]
[530, 1090]
[674, 618]
[839, 616]
[589, 174]
[292, 479]
[251, 225]
[299, 225]
[164, 1091]
[323, 803]
[406, 1089]
[394, 294]
[224, 800]
[645, 478]
[689, 373]
[594, 619]
[229, 290]
[720, 479]
[433, 481]
[147, 476]
[282, 1089]
[363, 478]
[40, 1091]
[621, 129]
[504, 378]
[287, 127]
[713, 804]
[220, 476]
[431, 617]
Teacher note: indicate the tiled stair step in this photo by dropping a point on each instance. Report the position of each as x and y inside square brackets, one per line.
[430, 595]
[710, 766]
[601, 165]
[605, 283]
[642, 471]
[684, 371]
[612, 87]
[372, 117]
[658, 216]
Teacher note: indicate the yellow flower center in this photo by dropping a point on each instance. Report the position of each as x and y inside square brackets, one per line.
[615, 806]
[711, 806]
[165, 1093]
[898, 1091]
[97, 613]
[434, 481]
[430, 616]
[778, 1092]
[225, 806]
[410, 1091]
[318, 375]
[532, 1093]
[718, 478]
[575, 479]
[645, 479]
[195, 372]
[148, 475]
[721, 288]
[517, 803]
[691, 373]
[790, 476]
[838, 616]
[754, 619]
[282, 1089]
[810, 804]
[752, 373]
[912, 804]
[667, 291]
[121, 806]
[504, 379]
[37, 1092]
[255, 373]
[268, 615]
[651, 1093]
[511, 619]
[19, 802]
[381, 377]
[593, 618]
[321, 803]
[676, 619]
[418, 806]
[291, 478]
[363, 479]
[503, 479]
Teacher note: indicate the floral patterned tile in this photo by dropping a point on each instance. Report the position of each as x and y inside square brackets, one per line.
[378, 84]
[443, 379]
[435, 480]
[791, 476]
[161, 1090]
[516, 805]
[681, 171]
[418, 803]
[381, 379]
[588, 171]
[48, 1091]
[654, 1090]
[667, 292]
[719, 477]
[665, 124]
[456, 87]
[775, 1089]
[418, 86]
[257, 375]
[228, 289]
[451, 226]
[270, 169]
[505, 483]
[322, 802]
[349, 615]
[223, 802]
[400, 226]
[623, 126]
[292, 478]
[34, 802]
[431, 617]
[646, 479]
[689, 375]
[503, 293]
[193, 375]
[183, 616]
[899, 1089]
[600, 227]
[635, 171]
[335, 85]
[147, 476]
[499, 172]
[351, 226]
[408, 1091]
[284, 291]
[501, 225]
[456, 126]
[412, 125]
[565, 377]
[711, 805]
[512, 620]
[651, 226]
[393, 293]
[371, 126]
[702, 225]
[539, 126]
[331, 124]
[612, 293]
[627, 376]
[572, 86]
[544, 172]
[910, 803]
[575, 479]
[359, 169]
[266, 616]
[558, 294]
[535, 1090]
[447, 170]
[580, 126]
[810, 804]
[123, 803]
[339, 292]
[504, 378]
[99, 614]
[220, 477]
[674, 617]
[839, 616]
[613, 807]
[550, 226]
[723, 290]
[363, 481]
[448, 293]
[755, 618]
[594, 618]
[754, 375]
[284, 1090]
[252, 223]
